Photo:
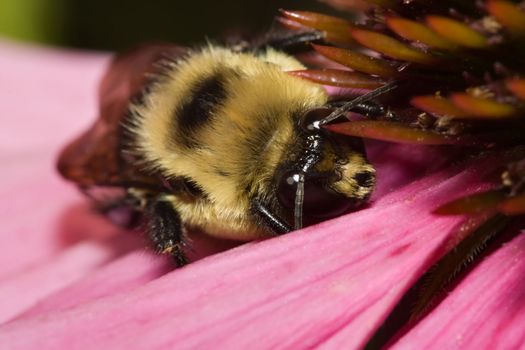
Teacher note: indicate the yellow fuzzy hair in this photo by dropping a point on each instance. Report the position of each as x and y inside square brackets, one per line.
[246, 139]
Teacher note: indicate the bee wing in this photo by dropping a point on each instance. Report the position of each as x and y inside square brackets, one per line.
[96, 157]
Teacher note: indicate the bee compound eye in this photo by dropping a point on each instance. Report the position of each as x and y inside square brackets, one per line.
[287, 190]
[319, 201]
[309, 119]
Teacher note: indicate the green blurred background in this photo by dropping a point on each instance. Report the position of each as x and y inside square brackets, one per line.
[113, 25]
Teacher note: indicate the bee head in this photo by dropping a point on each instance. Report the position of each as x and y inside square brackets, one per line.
[328, 176]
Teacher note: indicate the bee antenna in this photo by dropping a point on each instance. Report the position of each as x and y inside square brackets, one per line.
[299, 198]
[360, 99]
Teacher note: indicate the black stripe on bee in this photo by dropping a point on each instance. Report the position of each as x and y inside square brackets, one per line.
[199, 110]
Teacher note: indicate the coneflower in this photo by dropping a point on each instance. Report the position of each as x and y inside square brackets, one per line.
[455, 75]
[436, 261]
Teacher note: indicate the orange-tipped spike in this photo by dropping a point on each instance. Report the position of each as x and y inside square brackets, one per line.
[513, 206]
[357, 61]
[335, 29]
[517, 87]
[457, 32]
[416, 31]
[292, 25]
[508, 14]
[472, 204]
[437, 105]
[340, 78]
[316, 20]
[482, 107]
[391, 131]
[391, 47]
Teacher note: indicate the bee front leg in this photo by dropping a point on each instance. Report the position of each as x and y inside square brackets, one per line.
[271, 220]
[370, 109]
[294, 42]
[165, 229]
[290, 42]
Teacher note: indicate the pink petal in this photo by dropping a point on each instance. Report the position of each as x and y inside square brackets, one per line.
[122, 274]
[47, 97]
[62, 272]
[398, 165]
[485, 311]
[331, 284]
[114, 277]
[27, 288]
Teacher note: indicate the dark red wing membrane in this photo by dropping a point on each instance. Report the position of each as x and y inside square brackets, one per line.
[96, 158]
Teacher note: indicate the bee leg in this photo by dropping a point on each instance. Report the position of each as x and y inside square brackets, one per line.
[272, 221]
[294, 42]
[165, 230]
[123, 209]
[370, 109]
[123, 212]
[366, 104]
[288, 41]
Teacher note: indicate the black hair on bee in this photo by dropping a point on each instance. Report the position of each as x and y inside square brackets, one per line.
[221, 139]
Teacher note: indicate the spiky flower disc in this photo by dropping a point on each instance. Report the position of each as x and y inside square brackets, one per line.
[460, 71]
[460, 65]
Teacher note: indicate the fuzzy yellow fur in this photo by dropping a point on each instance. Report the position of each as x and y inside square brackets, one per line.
[247, 137]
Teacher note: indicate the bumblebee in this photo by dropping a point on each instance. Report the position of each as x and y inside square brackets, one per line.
[219, 139]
